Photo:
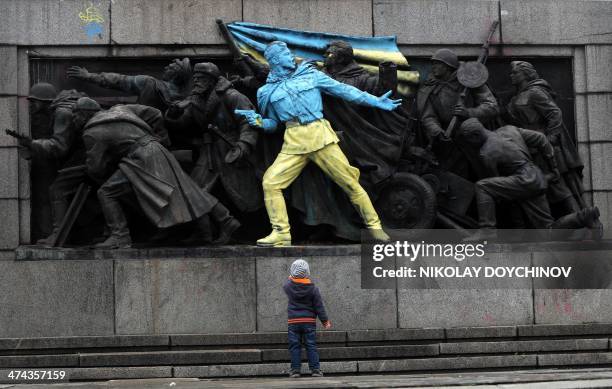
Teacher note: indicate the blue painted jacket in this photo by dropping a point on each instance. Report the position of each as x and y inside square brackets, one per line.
[298, 96]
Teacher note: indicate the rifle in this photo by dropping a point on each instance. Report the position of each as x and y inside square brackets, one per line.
[482, 58]
[76, 205]
[244, 68]
[18, 136]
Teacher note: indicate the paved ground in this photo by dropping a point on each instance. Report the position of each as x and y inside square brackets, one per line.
[537, 379]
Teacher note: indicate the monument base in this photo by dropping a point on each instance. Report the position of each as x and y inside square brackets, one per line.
[237, 289]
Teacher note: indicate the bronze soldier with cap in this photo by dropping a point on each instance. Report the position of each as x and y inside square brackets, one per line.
[438, 101]
[226, 159]
[534, 108]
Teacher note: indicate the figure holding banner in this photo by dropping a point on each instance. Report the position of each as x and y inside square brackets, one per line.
[292, 95]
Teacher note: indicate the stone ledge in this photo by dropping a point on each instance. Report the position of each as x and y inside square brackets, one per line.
[565, 329]
[169, 358]
[367, 352]
[264, 369]
[250, 338]
[481, 332]
[523, 346]
[84, 342]
[37, 253]
[452, 363]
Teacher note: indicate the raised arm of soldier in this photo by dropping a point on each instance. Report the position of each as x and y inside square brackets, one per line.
[311, 105]
[122, 82]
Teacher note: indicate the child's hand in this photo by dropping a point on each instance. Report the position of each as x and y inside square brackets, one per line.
[327, 325]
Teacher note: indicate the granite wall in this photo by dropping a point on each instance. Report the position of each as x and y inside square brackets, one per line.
[579, 30]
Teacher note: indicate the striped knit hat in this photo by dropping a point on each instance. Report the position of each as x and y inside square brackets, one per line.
[300, 269]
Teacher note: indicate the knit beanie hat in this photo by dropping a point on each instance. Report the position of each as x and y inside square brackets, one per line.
[300, 269]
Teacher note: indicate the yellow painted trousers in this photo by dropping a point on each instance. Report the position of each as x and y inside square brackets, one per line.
[287, 167]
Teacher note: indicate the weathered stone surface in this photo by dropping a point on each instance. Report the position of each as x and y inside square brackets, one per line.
[564, 306]
[24, 177]
[170, 358]
[185, 296]
[25, 220]
[8, 119]
[351, 17]
[403, 351]
[448, 308]
[81, 342]
[556, 22]
[599, 66]
[7, 255]
[9, 214]
[481, 332]
[601, 168]
[55, 298]
[9, 181]
[447, 363]
[395, 334]
[263, 369]
[253, 338]
[565, 329]
[603, 200]
[585, 155]
[600, 116]
[118, 373]
[8, 64]
[435, 22]
[40, 22]
[523, 346]
[171, 22]
[338, 278]
[574, 359]
[39, 360]
[580, 69]
[582, 120]
[23, 71]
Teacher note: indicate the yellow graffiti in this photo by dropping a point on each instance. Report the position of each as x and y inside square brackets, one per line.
[91, 14]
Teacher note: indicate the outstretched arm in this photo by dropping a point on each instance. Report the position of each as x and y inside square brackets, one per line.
[130, 84]
[354, 95]
[256, 120]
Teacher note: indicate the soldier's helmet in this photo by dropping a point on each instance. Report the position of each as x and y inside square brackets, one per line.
[42, 91]
[207, 68]
[447, 56]
[87, 104]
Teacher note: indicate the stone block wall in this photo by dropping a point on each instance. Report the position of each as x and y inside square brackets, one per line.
[169, 28]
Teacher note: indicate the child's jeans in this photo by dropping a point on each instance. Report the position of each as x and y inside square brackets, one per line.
[307, 331]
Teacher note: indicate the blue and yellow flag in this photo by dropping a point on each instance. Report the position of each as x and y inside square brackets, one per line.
[252, 39]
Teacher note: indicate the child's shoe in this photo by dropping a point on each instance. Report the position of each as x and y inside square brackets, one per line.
[317, 373]
[294, 374]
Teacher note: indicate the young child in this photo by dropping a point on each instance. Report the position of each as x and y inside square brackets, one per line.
[305, 305]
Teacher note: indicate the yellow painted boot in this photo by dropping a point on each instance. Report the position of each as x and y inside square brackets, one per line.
[364, 207]
[277, 212]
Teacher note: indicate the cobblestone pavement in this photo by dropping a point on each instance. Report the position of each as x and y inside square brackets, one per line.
[537, 379]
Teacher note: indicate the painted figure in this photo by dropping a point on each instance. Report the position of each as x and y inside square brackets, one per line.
[513, 177]
[125, 155]
[292, 96]
[437, 103]
[534, 108]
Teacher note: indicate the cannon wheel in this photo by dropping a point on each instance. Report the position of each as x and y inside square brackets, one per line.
[406, 201]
